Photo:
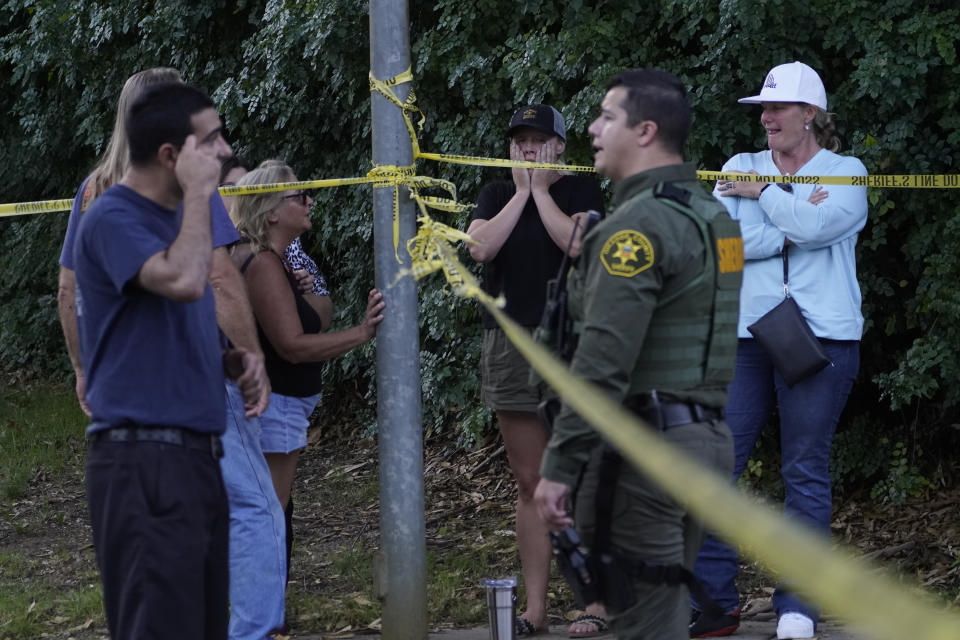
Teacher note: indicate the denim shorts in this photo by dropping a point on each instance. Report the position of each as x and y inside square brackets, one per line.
[285, 423]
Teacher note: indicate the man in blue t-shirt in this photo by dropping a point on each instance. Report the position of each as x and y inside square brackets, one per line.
[154, 366]
[234, 315]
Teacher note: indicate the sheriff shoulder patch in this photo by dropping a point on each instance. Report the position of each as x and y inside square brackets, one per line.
[626, 253]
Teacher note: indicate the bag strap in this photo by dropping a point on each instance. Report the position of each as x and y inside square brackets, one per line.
[786, 287]
[565, 261]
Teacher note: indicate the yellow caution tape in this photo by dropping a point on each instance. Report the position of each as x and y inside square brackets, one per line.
[918, 181]
[431, 250]
[41, 206]
[407, 106]
[389, 176]
[849, 587]
[384, 179]
[406, 176]
[890, 181]
[250, 189]
[499, 162]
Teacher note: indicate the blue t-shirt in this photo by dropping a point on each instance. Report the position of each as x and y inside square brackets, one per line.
[221, 227]
[148, 359]
[224, 233]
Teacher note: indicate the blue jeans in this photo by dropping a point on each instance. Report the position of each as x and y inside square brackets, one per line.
[258, 564]
[809, 413]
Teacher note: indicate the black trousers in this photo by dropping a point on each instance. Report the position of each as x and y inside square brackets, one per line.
[160, 529]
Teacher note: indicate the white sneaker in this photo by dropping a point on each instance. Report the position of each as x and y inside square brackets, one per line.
[793, 625]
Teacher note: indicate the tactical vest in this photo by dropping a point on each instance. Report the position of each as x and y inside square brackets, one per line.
[691, 341]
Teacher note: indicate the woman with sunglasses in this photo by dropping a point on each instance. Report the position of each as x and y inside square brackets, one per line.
[313, 286]
[291, 330]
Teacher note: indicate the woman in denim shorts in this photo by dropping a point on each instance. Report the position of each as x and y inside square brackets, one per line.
[289, 326]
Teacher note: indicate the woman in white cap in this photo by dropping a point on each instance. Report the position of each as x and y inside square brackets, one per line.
[817, 229]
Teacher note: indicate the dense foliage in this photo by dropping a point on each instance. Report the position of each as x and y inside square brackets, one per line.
[290, 78]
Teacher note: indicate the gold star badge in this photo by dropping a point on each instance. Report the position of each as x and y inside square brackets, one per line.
[626, 253]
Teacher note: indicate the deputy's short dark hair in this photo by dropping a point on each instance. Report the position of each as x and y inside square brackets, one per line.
[659, 96]
[162, 115]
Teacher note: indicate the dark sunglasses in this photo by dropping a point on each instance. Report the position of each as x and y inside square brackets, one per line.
[302, 196]
[786, 186]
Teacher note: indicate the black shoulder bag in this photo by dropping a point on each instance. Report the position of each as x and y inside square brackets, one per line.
[786, 337]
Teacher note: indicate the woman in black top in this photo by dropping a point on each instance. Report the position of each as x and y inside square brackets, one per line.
[289, 328]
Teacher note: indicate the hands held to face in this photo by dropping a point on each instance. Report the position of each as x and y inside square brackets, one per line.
[535, 179]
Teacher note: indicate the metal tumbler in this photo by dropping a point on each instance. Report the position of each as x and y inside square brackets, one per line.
[501, 607]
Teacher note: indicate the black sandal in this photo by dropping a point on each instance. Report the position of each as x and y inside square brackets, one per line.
[600, 626]
[523, 628]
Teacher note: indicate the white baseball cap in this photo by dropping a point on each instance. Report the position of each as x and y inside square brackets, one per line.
[791, 82]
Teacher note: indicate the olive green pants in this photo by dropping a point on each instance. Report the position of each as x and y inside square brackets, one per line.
[647, 525]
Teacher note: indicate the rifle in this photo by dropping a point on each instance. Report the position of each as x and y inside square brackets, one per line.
[556, 328]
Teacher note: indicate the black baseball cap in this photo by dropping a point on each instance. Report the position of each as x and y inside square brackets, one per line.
[540, 117]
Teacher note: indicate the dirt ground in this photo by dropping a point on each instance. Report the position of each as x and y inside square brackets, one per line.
[469, 496]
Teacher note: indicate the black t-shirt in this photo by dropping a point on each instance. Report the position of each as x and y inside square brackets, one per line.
[529, 257]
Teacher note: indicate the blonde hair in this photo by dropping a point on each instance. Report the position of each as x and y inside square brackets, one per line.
[116, 159]
[825, 130]
[249, 213]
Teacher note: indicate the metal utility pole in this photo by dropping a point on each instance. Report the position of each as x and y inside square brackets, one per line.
[401, 566]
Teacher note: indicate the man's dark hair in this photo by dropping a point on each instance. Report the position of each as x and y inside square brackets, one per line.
[162, 115]
[231, 163]
[659, 96]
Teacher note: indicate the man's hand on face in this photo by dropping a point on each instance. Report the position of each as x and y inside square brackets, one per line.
[198, 167]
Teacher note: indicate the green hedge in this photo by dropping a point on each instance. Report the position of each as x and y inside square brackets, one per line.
[291, 81]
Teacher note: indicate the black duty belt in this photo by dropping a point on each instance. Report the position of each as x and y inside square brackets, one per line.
[179, 436]
[665, 415]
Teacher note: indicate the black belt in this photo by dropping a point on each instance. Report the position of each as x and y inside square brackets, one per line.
[670, 574]
[187, 438]
[666, 415]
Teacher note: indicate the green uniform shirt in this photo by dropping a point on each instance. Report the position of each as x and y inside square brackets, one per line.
[643, 251]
